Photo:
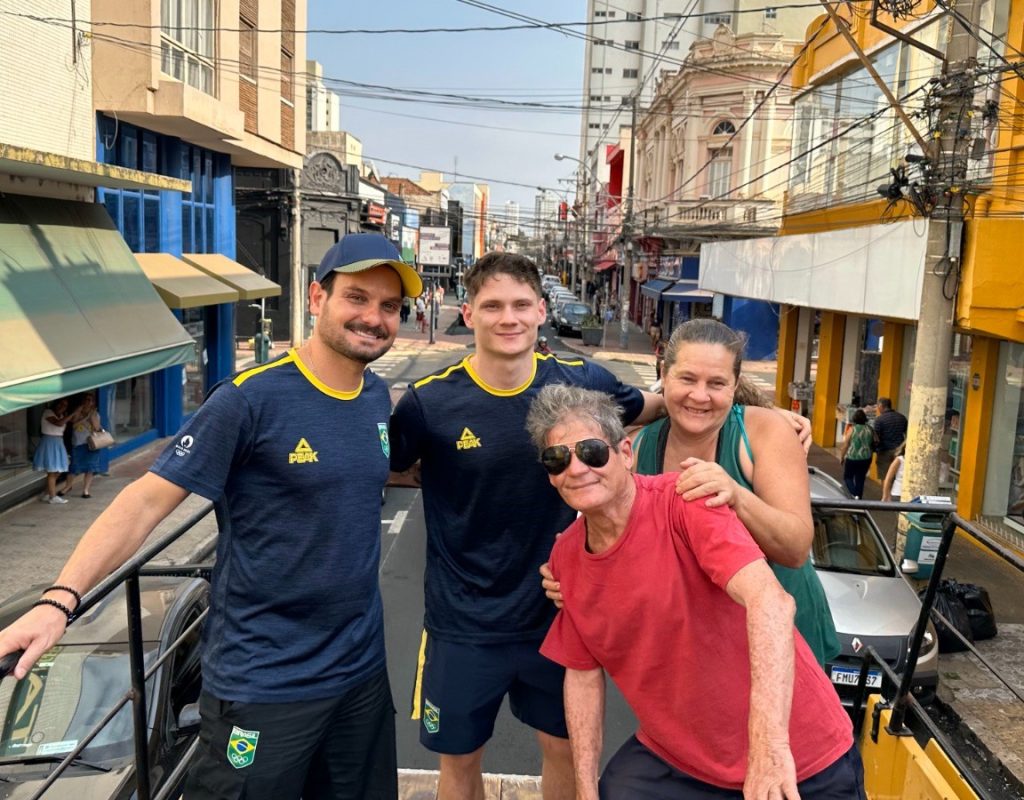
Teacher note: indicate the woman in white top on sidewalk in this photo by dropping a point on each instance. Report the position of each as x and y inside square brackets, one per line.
[51, 456]
[892, 484]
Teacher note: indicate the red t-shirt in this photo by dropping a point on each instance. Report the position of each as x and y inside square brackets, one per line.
[653, 612]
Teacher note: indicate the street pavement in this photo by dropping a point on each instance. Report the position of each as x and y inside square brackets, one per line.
[36, 539]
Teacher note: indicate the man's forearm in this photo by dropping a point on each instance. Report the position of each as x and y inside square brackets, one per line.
[584, 714]
[119, 531]
[770, 639]
[654, 409]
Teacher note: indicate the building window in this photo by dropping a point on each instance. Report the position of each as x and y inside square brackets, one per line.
[632, 16]
[600, 42]
[630, 73]
[595, 98]
[600, 13]
[630, 45]
[673, 45]
[723, 128]
[720, 172]
[596, 71]
[247, 49]
[771, 13]
[718, 19]
[594, 126]
[187, 42]
[193, 389]
[611, 15]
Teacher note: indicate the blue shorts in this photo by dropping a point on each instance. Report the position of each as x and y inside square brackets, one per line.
[459, 689]
[635, 773]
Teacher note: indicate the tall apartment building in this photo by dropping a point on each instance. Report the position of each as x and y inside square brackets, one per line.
[545, 212]
[632, 40]
[511, 218]
[323, 107]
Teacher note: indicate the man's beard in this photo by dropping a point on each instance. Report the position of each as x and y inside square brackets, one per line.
[341, 345]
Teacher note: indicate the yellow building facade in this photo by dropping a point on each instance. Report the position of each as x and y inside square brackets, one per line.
[836, 229]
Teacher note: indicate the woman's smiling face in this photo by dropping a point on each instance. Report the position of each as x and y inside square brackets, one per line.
[699, 387]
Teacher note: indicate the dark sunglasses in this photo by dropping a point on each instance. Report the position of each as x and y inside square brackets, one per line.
[592, 452]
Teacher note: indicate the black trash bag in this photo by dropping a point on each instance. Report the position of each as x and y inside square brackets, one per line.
[980, 613]
[951, 606]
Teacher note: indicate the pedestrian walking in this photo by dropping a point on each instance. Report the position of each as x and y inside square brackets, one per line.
[84, 461]
[51, 456]
[855, 453]
[491, 519]
[654, 586]
[406, 303]
[421, 314]
[890, 432]
[293, 649]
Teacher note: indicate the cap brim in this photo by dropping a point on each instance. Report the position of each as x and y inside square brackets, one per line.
[412, 284]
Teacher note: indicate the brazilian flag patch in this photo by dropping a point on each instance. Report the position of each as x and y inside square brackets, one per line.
[385, 442]
[431, 717]
[242, 747]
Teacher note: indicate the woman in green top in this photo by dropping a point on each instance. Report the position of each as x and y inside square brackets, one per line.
[744, 457]
[855, 453]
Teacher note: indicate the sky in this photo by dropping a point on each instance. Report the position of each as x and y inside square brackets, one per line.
[526, 65]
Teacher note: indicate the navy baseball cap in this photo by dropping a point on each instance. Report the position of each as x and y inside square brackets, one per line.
[361, 251]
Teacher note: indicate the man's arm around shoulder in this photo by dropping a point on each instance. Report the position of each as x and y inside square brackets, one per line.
[771, 771]
[110, 541]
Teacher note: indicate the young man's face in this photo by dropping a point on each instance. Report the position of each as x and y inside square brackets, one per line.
[359, 319]
[504, 316]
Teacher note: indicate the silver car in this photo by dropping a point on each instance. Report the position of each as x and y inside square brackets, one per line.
[871, 602]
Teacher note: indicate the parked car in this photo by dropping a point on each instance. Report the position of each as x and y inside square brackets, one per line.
[557, 300]
[871, 602]
[79, 680]
[569, 317]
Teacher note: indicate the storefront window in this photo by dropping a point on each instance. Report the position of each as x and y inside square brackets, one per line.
[131, 407]
[1014, 377]
[956, 403]
[14, 443]
[194, 386]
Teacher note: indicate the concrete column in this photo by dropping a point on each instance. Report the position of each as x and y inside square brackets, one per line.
[786, 359]
[767, 138]
[826, 387]
[748, 144]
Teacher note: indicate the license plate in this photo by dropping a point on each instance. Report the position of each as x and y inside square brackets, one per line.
[845, 676]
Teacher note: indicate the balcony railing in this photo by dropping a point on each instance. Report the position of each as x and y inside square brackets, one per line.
[759, 214]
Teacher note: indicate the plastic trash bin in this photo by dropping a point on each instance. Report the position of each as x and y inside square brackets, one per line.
[924, 533]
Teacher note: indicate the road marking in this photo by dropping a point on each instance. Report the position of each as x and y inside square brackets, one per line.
[397, 523]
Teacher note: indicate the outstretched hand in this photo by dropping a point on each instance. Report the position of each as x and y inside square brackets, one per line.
[34, 632]
[699, 479]
[801, 425]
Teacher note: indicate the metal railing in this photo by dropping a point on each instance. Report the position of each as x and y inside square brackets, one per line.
[129, 574]
[903, 700]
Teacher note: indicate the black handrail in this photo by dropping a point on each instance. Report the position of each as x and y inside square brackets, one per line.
[129, 573]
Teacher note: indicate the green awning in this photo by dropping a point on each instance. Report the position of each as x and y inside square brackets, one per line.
[76, 311]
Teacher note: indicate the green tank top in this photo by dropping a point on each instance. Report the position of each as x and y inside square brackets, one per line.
[813, 617]
[860, 443]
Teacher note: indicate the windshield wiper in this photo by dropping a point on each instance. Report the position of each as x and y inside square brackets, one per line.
[75, 762]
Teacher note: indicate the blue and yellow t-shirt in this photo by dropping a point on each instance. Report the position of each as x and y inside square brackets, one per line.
[491, 512]
[296, 472]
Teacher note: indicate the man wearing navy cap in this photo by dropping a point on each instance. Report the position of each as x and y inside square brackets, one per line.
[296, 700]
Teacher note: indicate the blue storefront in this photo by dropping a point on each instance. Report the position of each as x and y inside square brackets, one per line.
[194, 232]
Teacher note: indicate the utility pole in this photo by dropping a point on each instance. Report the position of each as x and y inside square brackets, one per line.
[949, 160]
[627, 235]
[298, 311]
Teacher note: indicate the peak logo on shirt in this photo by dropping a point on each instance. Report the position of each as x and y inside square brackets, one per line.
[468, 440]
[302, 454]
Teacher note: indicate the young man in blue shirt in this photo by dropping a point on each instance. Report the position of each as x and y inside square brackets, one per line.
[296, 701]
[492, 516]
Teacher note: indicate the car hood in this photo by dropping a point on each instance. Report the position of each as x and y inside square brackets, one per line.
[78, 783]
[865, 605]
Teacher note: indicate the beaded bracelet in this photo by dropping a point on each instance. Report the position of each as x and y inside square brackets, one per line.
[46, 601]
[57, 587]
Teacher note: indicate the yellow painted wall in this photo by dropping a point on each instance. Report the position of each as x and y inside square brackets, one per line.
[992, 287]
[826, 387]
[976, 426]
[789, 317]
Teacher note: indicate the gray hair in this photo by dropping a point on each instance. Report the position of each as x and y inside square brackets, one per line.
[555, 404]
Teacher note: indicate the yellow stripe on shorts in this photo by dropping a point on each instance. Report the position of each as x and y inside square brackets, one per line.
[417, 689]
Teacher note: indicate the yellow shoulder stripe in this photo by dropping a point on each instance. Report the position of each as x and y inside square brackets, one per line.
[242, 377]
[577, 363]
[440, 375]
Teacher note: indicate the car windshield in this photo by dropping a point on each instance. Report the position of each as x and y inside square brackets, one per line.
[845, 541]
[67, 692]
[575, 309]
